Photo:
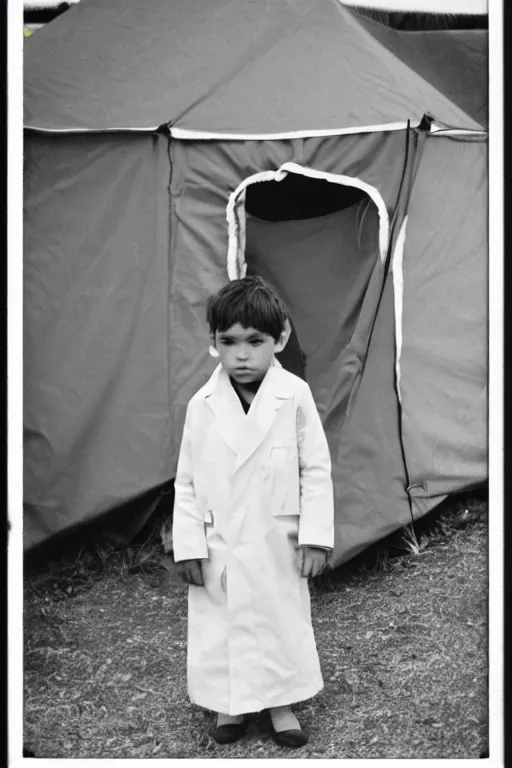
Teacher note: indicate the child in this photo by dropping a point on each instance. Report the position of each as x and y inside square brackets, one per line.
[253, 519]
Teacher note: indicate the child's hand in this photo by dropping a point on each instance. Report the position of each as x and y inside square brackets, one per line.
[311, 561]
[191, 572]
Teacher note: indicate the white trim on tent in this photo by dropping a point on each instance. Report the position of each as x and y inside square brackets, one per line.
[145, 129]
[192, 135]
[235, 210]
[398, 294]
[436, 129]
[235, 215]
[186, 133]
[34, 5]
[195, 135]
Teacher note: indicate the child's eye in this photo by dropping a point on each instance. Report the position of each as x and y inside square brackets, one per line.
[256, 342]
[226, 342]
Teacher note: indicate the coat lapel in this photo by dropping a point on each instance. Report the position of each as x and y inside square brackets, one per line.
[244, 433]
[224, 402]
[262, 413]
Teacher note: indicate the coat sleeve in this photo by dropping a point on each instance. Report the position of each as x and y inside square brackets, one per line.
[316, 526]
[188, 530]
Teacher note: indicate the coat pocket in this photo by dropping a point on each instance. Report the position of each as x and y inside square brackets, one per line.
[205, 511]
[284, 466]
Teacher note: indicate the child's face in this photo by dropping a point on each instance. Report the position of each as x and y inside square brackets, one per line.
[245, 353]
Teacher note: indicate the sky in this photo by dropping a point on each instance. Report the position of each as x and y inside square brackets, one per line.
[432, 6]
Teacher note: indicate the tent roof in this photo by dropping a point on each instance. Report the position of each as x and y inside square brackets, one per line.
[226, 68]
[455, 62]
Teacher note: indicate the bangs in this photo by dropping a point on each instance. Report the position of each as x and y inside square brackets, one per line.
[250, 302]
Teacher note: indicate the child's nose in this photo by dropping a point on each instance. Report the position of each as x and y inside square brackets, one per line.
[242, 352]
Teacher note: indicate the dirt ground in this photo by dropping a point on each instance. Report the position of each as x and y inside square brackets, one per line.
[403, 647]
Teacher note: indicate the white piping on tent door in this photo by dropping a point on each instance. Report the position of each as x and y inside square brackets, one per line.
[398, 292]
[235, 211]
[235, 215]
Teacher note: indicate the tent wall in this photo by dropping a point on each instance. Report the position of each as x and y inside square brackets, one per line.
[443, 379]
[368, 470]
[96, 273]
[203, 176]
[118, 267]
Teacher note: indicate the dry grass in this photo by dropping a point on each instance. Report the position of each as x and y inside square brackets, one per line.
[401, 632]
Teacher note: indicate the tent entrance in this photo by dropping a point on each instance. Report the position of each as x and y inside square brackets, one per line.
[299, 197]
[317, 242]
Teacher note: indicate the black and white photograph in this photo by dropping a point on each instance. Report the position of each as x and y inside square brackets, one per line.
[254, 508]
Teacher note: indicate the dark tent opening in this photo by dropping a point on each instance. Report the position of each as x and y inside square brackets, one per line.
[299, 197]
[317, 242]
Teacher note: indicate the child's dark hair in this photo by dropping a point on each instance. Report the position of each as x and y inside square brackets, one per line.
[250, 301]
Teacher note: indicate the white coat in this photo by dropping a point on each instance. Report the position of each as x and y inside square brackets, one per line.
[249, 488]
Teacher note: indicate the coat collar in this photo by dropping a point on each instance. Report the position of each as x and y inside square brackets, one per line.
[280, 386]
[242, 432]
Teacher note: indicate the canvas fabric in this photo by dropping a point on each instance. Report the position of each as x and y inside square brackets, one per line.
[444, 357]
[127, 233]
[204, 174]
[454, 62]
[96, 271]
[229, 67]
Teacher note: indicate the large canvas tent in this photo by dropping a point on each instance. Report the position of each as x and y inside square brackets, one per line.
[172, 146]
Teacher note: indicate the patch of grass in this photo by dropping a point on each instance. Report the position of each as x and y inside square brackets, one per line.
[402, 640]
[70, 572]
[76, 572]
[435, 529]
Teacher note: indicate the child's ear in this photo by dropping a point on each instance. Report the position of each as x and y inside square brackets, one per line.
[213, 350]
[283, 339]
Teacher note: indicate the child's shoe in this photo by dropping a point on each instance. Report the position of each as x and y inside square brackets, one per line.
[229, 729]
[292, 737]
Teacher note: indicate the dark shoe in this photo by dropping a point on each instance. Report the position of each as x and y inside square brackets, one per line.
[293, 739]
[227, 734]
